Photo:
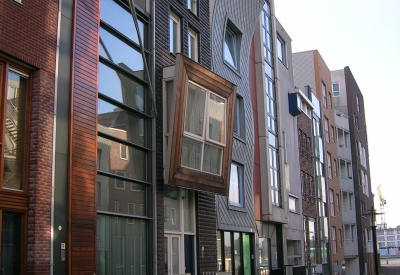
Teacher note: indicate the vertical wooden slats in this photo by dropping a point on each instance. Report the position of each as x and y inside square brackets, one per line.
[83, 140]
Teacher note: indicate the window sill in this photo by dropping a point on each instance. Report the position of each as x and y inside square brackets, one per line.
[235, 70]
[238, 138]
[236, 208]
[294, 212]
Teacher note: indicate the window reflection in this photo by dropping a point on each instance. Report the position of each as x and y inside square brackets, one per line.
[15, 130]
[121, 88]
[121, 53]
[122, 22]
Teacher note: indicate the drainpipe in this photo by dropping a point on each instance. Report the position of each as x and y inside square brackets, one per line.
[54, 139]
[153, 139]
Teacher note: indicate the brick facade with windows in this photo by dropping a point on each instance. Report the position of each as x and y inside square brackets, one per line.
[30, 45]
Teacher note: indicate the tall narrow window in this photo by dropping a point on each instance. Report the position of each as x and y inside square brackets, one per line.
[323, 87]
[331, 201]
[358, 103]
[239, 125]
[192, 45]
[334, 244]
[192, 6]
[230, 50]
[236, 186]
[174, 33]
[326, 126]
[281, 49]
[329, 163]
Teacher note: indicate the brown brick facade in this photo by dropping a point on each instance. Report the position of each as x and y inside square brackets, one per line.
[28, 35]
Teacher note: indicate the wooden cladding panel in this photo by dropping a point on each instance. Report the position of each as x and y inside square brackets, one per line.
[13, 201]
[83, 140]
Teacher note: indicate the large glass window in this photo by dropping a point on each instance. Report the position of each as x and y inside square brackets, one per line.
[123, 175]
[11, 242]
[271, 109]
[281, 49]
[234, 252]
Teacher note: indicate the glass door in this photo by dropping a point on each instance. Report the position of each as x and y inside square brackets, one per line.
[173, 254]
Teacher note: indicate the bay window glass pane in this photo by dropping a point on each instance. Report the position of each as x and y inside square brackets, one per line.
[120, 88]
[134, 166]
[121, 123]
[212, 159]
[216, 119]
[172, 208]
[121, 53]
[228, 251]
[117, 200]
[121, 245]
[122, 22]
[195, 107]
[11, 243]
[191, 153]
[16, 106]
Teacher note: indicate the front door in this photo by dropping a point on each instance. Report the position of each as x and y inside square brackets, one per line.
[173, 254]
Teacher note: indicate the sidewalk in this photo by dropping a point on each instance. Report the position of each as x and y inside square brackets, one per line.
[391, 269]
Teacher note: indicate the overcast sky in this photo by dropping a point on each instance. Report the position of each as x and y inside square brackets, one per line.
[364, 35]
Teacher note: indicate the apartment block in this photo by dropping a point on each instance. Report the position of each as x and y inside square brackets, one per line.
[348, 101]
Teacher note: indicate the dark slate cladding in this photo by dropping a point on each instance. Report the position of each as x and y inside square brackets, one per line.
[244, 15]
[360, 135]
[206, 219]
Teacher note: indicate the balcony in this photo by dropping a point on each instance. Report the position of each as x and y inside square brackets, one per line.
[350, 249]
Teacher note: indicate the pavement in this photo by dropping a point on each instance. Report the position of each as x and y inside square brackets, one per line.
[389, 269]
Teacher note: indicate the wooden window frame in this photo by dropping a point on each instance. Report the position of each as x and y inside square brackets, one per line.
[12, 200]
[175, 174]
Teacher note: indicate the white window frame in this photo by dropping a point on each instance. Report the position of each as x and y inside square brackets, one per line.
[334, 244]
[192, 47]
[336, 92]
[231, 50]
[332, 202]
[121, 146]
[326, 124]
[174, 41]
[294, 199]
[329, 163]
[192, 6]
[205, 139]
[281, 50]
[120, 173]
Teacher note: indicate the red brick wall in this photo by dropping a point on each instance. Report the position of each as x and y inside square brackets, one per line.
[28, 33]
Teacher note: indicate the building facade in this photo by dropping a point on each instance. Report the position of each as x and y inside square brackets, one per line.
[349, 101]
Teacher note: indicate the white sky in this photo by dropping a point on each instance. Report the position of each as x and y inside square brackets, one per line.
[364, 35]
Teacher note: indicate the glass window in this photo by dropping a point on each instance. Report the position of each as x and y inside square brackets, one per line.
[239, 122]
[192, 44]
[202, 146]
[122, 246]
[323, 87]
[293, 204]
[11, 244]
[174, 33]
[230, 50]
[192, 6]
[281, 49]
[236, 186]
[294, 252]
[13, 141]
[335, 89]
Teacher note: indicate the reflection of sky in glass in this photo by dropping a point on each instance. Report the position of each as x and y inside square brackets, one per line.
[123, 22]
[120, 52]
